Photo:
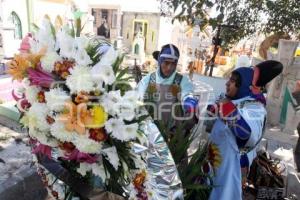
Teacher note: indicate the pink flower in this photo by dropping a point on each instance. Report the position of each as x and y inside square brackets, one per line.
[25, 46]
[16, 97]
[81, 157]
[39, 78]
[43, 149]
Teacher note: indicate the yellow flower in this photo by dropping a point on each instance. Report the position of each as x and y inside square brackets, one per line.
[214, 155]
[99, 116]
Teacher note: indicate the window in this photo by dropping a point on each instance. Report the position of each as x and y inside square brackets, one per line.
[17, 24]
[104, 14]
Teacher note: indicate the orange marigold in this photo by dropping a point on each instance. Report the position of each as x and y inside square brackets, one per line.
[17, 68]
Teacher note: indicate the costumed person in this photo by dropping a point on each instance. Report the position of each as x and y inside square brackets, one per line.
[238, 128]
[169, 86]
[166, 93]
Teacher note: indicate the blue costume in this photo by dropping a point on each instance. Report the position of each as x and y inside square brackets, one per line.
[238, 128]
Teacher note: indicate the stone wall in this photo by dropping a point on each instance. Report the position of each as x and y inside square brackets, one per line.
[286, 79]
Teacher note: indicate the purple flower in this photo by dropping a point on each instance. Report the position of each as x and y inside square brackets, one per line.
[40, 78]
[81, 157]
[44, 149]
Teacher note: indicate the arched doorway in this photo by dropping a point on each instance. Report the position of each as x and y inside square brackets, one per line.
[17, 25]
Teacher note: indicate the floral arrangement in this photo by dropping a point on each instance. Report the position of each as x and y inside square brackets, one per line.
[80, 112]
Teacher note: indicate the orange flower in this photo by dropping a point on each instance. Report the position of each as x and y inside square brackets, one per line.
[34, 59]
[50, 120]
[139, 179]
[17, 68]
[75, 117]
[41, 97]
[62, 68]
[82, 97]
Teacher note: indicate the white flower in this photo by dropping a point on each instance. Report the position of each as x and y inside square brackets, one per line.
[119, 130]
[81, 42]
[133, 97]
[109, 100]
[99, 170]
[80, 79]
[31, 94]
[84, 168]
[96, 168]
[82, 58]
[43, 137]
[56, 99]
[87, 145]
[130, 131]
[114, 126]
[66, 44]
[43, 38]
[103, 73]
[58, 130]
[48, 61]
[37, 116]
[124, 107]
[109, 57]
[125, 110]
[26, 82]
[111, 155]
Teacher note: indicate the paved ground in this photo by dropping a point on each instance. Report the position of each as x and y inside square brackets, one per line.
[18, 178]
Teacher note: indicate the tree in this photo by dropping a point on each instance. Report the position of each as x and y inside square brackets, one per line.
[248, 16]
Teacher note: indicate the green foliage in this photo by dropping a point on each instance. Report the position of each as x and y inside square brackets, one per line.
[194, 180]
[249, 16]
[117, 177]
[35, 27]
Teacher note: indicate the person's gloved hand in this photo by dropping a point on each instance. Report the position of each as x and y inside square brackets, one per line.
[190, 104]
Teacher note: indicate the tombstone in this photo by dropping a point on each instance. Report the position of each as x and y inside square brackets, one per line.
[138, 47]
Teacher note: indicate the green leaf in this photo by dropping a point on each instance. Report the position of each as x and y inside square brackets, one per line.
[72, 33]
[122, 73]
[77, 14]
[117, 64]
[35, 27]
[53, 30]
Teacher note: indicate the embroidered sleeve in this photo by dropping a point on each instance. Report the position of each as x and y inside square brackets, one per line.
[231, 116]
[237, 124]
